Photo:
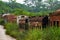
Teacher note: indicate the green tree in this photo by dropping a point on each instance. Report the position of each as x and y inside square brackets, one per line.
[35, 3]
[52, 4]
[12, 0]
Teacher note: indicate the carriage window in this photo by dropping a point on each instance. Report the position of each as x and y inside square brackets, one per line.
[22, 16]
[56, 23]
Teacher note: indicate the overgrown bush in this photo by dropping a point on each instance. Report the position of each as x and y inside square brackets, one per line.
[50, 33]
[12, 29]
[34, 34]
[2, 21]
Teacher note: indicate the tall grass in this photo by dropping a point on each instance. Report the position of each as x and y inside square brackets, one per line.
[33, 34]
[50, 33]
[12, 29]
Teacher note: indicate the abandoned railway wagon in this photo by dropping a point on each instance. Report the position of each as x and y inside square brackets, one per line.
[52, 19]
[26, 22]
[9, 18]
[22, 21]
[35, 21]
[55, 18]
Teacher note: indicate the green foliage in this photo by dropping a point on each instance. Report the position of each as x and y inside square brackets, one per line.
[50, 33]
[6, 7]
[16, 8]
[2, 21]
[12, 29]
[34, 34]
[39, 5]
[20, 12]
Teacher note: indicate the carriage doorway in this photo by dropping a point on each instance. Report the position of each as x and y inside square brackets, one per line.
[56, 23]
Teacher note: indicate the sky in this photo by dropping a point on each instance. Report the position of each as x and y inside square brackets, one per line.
[19, 1]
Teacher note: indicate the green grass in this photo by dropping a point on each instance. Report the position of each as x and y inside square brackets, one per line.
[12, 29]
[50, 33]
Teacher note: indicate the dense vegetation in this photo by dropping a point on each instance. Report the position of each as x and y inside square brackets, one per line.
[43, 5]
[49, 33]
[17, 9]
[14, 8]
[39, 8]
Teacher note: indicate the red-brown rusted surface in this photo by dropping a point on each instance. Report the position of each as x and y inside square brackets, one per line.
[55, 16]
[10, 18]
[36, 21]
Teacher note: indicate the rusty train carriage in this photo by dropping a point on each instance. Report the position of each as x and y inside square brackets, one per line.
[35, 21]
[9, 18]
[55, 18]
[21, 21]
